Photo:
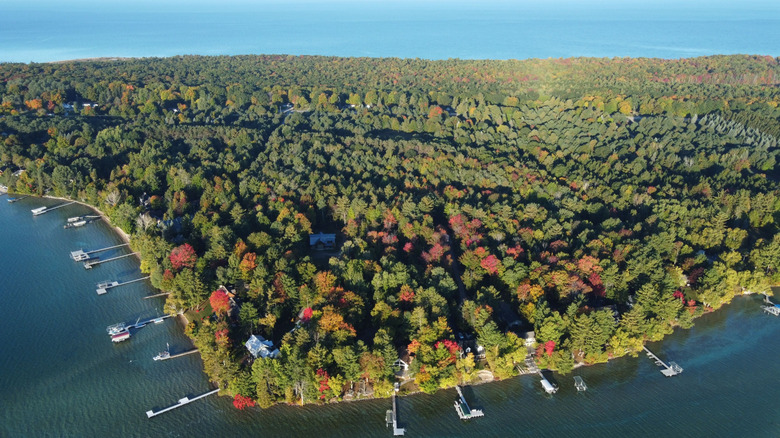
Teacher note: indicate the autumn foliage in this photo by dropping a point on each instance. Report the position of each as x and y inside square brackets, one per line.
[549, 347]
[241, 402]
[183, 256]
[219, 301]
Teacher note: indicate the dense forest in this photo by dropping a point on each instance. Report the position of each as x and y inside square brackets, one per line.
[599, 203]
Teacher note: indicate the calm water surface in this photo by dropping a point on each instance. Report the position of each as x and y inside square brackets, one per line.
[61, 376]
[48, 30]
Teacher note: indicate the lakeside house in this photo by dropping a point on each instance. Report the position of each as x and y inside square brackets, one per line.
[260, 347]
[322, 241]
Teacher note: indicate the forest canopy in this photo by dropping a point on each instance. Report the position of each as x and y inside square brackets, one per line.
[599, 203]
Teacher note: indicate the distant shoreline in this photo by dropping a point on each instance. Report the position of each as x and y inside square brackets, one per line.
[97, 59]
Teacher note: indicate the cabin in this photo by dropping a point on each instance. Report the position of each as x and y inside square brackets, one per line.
[530, 339]
[322, 241]
[259, 347]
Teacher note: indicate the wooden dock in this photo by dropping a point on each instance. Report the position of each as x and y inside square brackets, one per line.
[138, 324]
[463, 409]
[180, 403]
[667, 370]
[12, 200]
[43, 210]
[391, 417]
[174, 356]
[157, 295]
[102, 288]
[81, 255]
[89, 264]
[772, 310]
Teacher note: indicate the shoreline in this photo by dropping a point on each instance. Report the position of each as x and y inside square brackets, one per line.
[126, 238]
[120, 232]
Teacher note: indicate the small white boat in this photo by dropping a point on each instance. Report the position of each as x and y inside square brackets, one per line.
[164, 354]
[39, 210]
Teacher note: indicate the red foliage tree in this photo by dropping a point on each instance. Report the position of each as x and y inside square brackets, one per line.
[183, 256]
[323, 378]
[307, 314]
[219, 301]
[241, 402]
[490, 264]
[407, 294]
[549, 347]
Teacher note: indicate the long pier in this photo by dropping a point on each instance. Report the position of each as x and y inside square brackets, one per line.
[81, 255]
[157, 295]
[463, 409]
[391, 417]
[103, 287]
[43, 210]
[180, 403]
[174, 356]
[12, 200]
[89, 265]
[667, 370]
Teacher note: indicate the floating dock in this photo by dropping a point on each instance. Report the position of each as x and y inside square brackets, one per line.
[463, 409]
[102, 288]
[43, 210]
[81, 255]
[580, 384]
[667, 370]
[89, 264]
[391, 417]
[180, 403]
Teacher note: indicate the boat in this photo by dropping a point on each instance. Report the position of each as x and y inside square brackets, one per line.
[75, 224]
[39, 210]
[121, 336]
[164, 354]
[75, 219]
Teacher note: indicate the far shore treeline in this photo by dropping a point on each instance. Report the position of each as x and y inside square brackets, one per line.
[597, 202]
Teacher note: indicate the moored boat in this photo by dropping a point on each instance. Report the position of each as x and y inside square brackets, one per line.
[121, 336]
[164, 354]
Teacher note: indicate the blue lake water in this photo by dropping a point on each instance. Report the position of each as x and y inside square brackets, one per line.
[61, 376]
[434, 29]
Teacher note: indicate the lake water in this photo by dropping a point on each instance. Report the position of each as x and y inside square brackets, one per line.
[61, 376]
[50, 30]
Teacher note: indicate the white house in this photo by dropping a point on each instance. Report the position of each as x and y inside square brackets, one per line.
[259, 347]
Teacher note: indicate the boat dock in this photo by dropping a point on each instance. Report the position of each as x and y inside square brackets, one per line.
[89, 264]
[157, 295]
[12, 200]
[391, 417]
[463, 409]
[43, 210]
[81, 255]
[667, 370]
[580, 384]
[122, 327]
[180, 403]
[102, 288]
[80, 221]
[771, 308]
[174, 356]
